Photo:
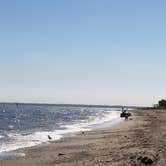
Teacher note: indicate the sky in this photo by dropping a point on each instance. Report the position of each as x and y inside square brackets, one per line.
[83, 51]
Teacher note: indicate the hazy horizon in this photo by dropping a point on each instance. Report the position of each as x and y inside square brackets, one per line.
[83, 52]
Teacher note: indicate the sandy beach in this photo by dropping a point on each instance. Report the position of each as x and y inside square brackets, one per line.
[140, 140]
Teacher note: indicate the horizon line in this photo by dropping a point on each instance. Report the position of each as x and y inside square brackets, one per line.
[71, 104]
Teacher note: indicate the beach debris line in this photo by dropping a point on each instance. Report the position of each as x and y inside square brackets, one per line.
[145, 160]
[61, 154]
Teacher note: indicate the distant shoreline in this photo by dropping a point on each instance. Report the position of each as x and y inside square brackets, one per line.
[75, 105]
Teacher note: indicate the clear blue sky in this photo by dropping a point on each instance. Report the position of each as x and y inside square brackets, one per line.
[83, 51]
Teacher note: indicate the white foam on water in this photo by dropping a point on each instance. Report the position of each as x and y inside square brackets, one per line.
[19, 141]
[96, 122]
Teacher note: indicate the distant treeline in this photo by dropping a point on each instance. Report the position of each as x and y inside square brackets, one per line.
[161, 104]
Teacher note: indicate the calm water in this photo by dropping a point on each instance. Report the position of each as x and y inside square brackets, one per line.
[25, 125]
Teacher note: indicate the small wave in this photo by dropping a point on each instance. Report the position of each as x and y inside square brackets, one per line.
[18, 141]
[1, 136]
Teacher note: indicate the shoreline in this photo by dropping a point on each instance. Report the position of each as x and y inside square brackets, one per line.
[129, 142]
[70, 131]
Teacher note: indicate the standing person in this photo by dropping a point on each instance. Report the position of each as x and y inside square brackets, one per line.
[126, 116]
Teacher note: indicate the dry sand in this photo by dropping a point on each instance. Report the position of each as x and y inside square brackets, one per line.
[139, 141]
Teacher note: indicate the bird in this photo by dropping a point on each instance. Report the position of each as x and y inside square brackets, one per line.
[49, 137]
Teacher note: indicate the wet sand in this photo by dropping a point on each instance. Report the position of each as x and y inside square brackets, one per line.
[138, 141]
